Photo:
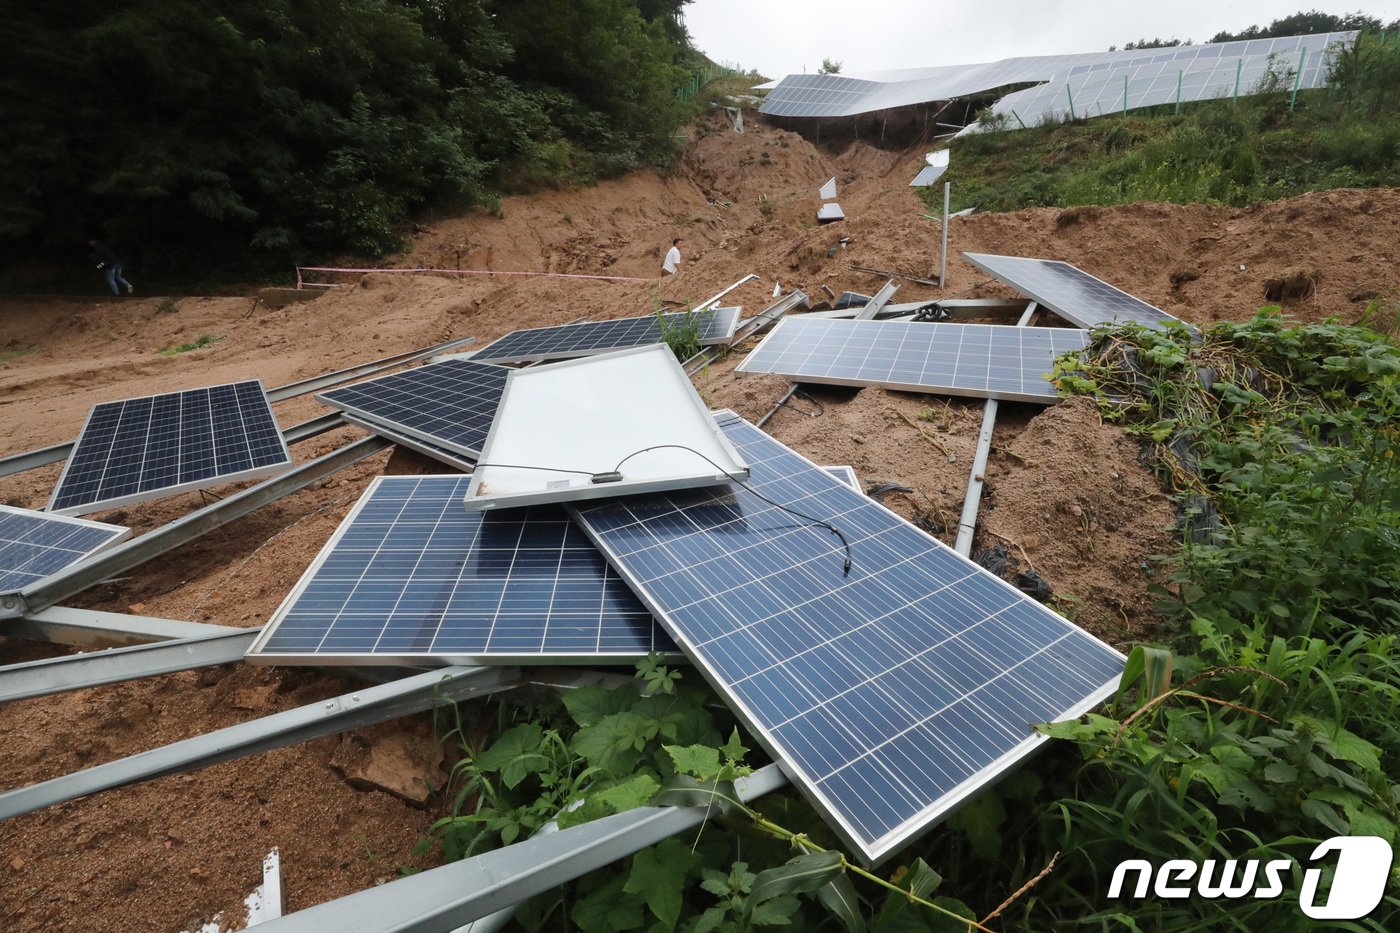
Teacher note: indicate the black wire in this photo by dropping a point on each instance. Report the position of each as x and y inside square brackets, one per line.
[846, 570]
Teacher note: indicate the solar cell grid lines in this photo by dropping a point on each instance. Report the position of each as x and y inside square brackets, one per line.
[411, 576]
[1072, 293]
[568, 341]
[35, 545]
[157, 445]
[441, 454]
[449, 404]
[976, 360]
[890, 693]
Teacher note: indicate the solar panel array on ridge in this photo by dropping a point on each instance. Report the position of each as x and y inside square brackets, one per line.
[410, 575]
[1071, 293]
[35, 545]
[571, 340]
[979, 360]
[889, 693]
[142, 448]
[450, 404]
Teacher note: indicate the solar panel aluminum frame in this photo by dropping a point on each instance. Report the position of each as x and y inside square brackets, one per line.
[921, 821]
[387, 431]
[256, 653]
[166, 491]
[122, 535]
[736, 469]
[728, 318]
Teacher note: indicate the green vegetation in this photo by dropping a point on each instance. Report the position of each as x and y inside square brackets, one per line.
[1223, 152]
[277, 131]
[682, 334]
[1268, 722]
[9, 357]
[201, 343]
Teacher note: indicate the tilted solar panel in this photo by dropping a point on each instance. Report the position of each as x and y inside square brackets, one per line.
[158, 445]
[978, 360]
[890, 693]
[35, 545]
[441, 454]
[449, 404]
[567, 341]
[1073, 294]
[410, 576]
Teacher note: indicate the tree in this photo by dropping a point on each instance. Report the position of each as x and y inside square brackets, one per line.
[1309, 23]
[830, 66]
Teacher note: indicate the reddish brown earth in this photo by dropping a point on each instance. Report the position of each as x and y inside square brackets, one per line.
[1066, 493]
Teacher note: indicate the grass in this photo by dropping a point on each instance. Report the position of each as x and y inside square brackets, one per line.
[204, 341]
[1221, 152]
[682, 335]
[7, 358]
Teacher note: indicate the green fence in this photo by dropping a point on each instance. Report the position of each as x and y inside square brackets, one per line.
[701, 77]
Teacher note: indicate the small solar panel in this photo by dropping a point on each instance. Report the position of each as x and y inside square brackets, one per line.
[567, 341]
[449, 404]
[1071, 293]
[977, 360]
[158, 445]
[441, 454]
[890, 693]
[35, 545]
[411, 576]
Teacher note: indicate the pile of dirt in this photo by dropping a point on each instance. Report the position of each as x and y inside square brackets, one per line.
[1065, 490]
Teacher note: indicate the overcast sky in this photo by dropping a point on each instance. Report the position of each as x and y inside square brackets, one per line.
[779, 37]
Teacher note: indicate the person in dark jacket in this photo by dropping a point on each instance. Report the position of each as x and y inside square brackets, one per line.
[110, 263]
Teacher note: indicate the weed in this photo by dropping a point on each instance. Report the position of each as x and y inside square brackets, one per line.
[682, 333]
[7, 358]
[204, 341]
[167, 306]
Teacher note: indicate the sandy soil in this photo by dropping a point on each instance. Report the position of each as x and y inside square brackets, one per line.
[1066, 493]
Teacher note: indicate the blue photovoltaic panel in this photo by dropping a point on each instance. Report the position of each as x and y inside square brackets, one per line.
[890, 693]
[449, 404]
[1071, 293]
[441, 454]
[35, 545]
[410, 575]
[143, 448]
[567, 341]
[978, 360]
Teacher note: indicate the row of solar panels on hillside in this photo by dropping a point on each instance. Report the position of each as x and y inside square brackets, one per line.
[1086, 84]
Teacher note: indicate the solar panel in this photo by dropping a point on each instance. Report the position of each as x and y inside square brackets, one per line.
[35, 545]
[158, 445]
[978, 360]
[845, 474]
[441, 454]
[567, 341]
[1071, 293]
[890, 693]
[409, 575]
[449, 404]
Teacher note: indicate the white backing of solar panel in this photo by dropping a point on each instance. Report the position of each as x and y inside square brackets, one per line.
[596, 415]
[156, 450]
[33, 552]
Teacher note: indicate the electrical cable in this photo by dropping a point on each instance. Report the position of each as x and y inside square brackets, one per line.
[846, 569]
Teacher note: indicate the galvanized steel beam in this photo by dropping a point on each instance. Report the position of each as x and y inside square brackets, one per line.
[93, 628]
[349, 711]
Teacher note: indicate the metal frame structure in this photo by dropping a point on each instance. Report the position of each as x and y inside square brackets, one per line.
[877, 302]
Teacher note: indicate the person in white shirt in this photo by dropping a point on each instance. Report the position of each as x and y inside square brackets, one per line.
[673, 258]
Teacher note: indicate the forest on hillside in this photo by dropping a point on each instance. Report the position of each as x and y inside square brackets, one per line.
[198, 144]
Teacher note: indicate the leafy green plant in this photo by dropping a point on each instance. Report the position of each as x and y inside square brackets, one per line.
[201, 343]
[682, 334]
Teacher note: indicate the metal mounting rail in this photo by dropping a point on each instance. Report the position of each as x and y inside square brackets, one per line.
[715, 300]
[95, 668]
[123, 557]
[877, 302]
[458, 893]
[93, 628]
[746, 329]
[43, 456]
[348, 711]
